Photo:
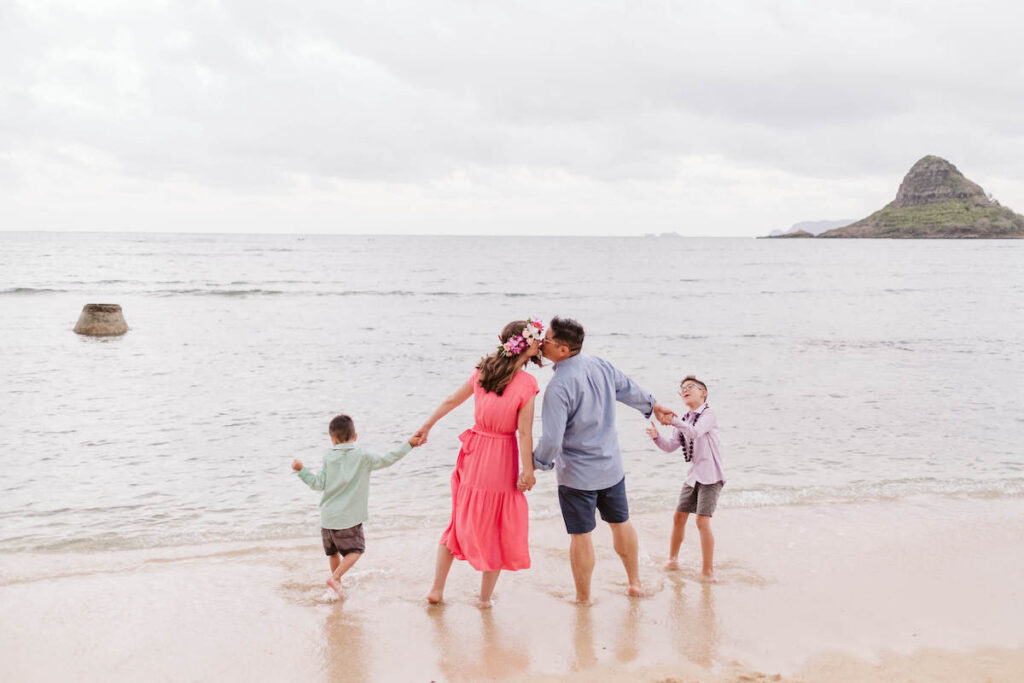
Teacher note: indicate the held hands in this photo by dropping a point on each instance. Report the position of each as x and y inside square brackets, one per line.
[664, 415]
[652, 431]
[296, 465]
[417, 439]
[526, 480]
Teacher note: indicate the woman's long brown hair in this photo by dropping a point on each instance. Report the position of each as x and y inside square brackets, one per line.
[497, 369]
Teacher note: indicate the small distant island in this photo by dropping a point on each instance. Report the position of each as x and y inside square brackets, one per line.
[935, 201]
[810, 228]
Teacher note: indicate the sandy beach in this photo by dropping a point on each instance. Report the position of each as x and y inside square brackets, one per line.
[919, 589]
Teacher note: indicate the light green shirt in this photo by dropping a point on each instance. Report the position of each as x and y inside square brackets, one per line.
[345, 481]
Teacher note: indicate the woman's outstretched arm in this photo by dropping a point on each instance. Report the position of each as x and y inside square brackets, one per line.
[448, 405]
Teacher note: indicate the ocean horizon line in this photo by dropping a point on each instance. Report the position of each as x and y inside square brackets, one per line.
[665, 235]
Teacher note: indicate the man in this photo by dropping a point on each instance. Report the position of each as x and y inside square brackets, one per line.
[581, 444]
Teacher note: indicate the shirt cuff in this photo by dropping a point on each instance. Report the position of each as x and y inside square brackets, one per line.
[542, 465]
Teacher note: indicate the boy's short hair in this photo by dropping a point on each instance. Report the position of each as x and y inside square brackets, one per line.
[342, 427]
[567, 331]
[691, 378]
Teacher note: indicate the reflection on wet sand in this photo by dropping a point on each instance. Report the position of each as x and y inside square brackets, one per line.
[768, 616]
[629, 633]
[695, 624]
[584, 639]
[347, 656]
[475, 646]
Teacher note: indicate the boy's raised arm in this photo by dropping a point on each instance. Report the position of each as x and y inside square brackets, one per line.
[314, 481]
[705, 424]
[667, 444]
[388, 459]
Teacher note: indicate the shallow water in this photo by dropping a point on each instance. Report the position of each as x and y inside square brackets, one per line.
[841, 370]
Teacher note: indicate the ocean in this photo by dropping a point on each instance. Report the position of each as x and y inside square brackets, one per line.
[841, 371]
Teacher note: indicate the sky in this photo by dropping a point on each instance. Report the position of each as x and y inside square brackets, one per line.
[574, 117]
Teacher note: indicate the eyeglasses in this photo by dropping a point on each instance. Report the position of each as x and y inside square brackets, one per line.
[691, 385]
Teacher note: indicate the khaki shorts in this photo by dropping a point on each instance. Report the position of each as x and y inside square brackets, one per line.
[699, 498]
[344, 541]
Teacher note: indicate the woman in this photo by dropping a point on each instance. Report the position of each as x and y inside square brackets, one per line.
[489, 520]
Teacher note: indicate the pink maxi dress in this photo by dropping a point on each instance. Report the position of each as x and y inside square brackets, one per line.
[490, 518]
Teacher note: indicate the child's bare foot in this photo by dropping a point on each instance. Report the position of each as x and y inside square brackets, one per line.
[635, 591]
[434, 597]
[672, 564]
[707, 577]
[583, 600]
[485, 604]
[333, 584]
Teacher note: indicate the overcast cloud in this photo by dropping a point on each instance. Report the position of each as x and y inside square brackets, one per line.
[470, 117]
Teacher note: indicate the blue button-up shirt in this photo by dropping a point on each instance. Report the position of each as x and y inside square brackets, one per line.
[578, 416]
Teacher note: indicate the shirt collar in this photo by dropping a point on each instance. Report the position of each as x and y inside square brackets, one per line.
[566, 361]
[700, 409]
[343, 446]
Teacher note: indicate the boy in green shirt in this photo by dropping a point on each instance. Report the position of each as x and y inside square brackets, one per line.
[345, 480]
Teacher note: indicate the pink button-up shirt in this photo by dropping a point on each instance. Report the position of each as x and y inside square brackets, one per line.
[706, 466]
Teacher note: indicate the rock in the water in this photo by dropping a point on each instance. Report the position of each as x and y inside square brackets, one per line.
[936, 200]
[101, 320]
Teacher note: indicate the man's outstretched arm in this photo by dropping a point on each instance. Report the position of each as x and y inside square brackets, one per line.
[629, 392]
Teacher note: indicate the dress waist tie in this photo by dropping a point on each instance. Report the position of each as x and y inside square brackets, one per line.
[494, 435]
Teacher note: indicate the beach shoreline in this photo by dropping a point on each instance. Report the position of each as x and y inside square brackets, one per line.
[925, 588]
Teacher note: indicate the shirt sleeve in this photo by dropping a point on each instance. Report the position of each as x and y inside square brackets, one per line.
[629, 392]
[553, 416]
[705, 424]
[377, 462]
[315, 481]
[668, 443]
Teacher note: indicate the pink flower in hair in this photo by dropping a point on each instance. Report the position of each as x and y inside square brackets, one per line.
[517, 344]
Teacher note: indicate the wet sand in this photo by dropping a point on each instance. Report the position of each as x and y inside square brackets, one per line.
[921, 589]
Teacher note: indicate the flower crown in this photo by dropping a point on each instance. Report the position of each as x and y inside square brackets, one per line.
[516, 344]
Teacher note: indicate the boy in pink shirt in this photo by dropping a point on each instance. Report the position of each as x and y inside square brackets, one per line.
[697, 434]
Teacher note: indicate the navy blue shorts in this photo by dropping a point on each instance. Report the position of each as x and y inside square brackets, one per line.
[578, 507]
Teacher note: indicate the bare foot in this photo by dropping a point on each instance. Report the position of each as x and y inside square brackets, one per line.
[708, 577]
[333, 584]
[434, 597]
[635, 591]
[485, 604]
[672, 564]
[583, 600]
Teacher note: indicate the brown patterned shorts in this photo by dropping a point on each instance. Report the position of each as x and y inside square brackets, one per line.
[344, 541]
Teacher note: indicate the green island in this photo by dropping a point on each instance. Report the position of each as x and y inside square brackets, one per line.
[936, 201]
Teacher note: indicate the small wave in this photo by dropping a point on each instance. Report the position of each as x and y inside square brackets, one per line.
[891, 490]
[255, 291]
[31, 290]
[864, 344]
